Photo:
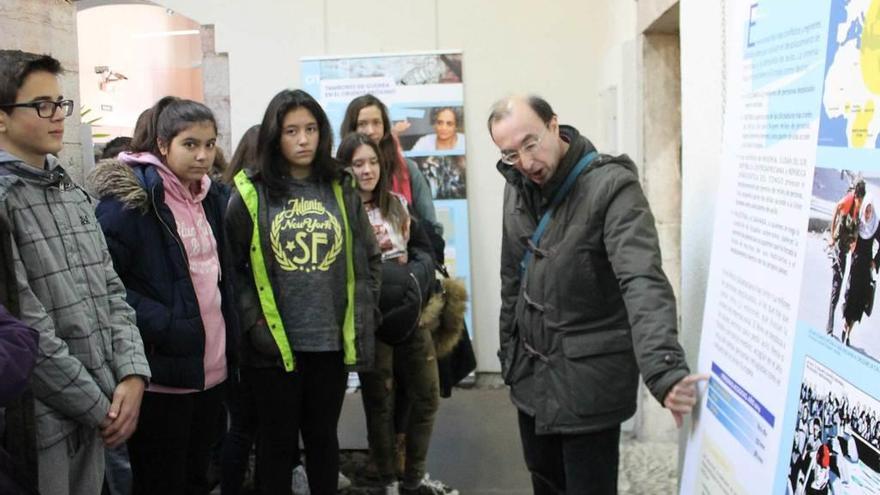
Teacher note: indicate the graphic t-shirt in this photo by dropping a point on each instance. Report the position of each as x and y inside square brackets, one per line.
[306, 238]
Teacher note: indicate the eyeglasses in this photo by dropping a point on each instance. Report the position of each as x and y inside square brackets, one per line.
[530, 146]
[46, 109]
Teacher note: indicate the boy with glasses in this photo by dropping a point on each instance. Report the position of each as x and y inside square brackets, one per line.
[91, 369]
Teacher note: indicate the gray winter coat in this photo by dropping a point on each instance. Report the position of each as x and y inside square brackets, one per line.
[69, 293]
[596, 308]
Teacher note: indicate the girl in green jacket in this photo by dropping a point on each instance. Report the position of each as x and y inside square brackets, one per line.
[307, 281]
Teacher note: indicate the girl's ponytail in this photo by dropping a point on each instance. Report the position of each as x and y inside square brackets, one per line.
[146, 130]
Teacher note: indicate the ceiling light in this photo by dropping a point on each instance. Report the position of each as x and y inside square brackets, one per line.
[165, 34]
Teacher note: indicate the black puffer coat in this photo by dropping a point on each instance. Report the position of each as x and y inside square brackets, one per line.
[406, 288]
[150, 259]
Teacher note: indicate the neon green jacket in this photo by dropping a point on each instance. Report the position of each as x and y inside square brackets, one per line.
[265, 342]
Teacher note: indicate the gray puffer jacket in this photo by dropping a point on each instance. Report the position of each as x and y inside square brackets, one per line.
[595, 308]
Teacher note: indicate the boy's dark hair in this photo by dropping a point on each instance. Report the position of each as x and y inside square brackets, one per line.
[16, 65]
[115, 146]
[274, 167]
[165, 120]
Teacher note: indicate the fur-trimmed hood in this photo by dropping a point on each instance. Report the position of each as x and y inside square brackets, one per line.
[113, 178]
[133, 177]
[444, 315]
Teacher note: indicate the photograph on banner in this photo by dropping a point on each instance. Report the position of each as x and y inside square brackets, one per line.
[409, 70]
[445, 175]
[841, 259]
[431, 129]
[852, 76]
[836, 436]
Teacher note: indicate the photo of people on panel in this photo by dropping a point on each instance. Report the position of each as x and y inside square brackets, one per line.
[842, 257]
[426, 130]
[446, 135]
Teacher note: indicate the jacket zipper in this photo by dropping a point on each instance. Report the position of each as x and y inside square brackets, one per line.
[421, 301]
[182, 252]
[173, 234]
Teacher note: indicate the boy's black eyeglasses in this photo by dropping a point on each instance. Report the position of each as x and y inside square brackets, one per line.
[45, 108]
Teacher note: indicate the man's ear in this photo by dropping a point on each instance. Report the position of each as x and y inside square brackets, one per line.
[3, 120]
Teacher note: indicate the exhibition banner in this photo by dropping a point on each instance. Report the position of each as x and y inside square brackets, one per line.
[424, 93]
[789, 337]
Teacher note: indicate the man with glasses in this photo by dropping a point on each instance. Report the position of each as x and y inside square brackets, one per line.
[91, 370]
[585, 304]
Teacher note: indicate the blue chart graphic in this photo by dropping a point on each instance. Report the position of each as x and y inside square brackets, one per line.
[741, 414]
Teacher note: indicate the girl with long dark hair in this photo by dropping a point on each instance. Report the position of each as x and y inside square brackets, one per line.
[307, 276]
[404, 348]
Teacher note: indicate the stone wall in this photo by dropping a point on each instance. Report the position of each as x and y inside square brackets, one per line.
[215, 76]
[661, 130]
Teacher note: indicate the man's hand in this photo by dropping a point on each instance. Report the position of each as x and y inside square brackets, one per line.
[682, 397]
[122, 419]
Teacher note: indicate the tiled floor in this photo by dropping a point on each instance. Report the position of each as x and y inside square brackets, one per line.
[648, 468]
[476, 449]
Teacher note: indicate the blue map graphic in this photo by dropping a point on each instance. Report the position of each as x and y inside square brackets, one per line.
[833, 131]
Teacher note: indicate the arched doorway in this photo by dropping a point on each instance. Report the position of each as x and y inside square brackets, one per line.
[131, 53]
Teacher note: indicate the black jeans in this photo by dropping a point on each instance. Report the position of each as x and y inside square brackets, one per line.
[584, 464]
[240, 437]
[307, 401]
[170, 450]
